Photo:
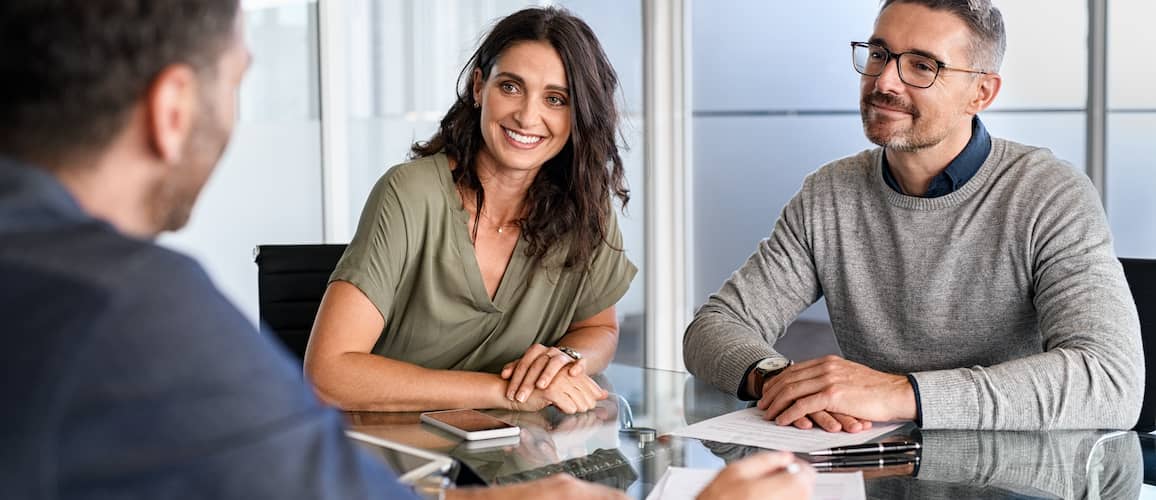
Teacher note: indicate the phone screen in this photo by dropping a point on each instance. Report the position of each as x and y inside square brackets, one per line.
[469, 420]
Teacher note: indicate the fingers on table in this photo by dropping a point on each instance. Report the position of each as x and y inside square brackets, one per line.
[556, 360]
[578, 368]
[783, 394]
[520, 371]
[849, 423]
[827, 421]
[577, 395]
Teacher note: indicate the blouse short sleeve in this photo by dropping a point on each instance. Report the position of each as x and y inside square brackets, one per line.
[375, 258]
[609, 275]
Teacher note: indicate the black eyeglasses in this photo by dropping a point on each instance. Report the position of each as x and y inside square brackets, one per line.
[916, 70]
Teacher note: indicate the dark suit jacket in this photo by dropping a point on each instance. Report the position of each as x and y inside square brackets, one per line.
[126, 374]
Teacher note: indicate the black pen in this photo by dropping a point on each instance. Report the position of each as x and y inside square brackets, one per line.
[849, 463]
[869, 448]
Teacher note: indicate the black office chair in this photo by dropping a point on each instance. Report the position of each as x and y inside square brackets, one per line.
[291, 280]
[1141, 274]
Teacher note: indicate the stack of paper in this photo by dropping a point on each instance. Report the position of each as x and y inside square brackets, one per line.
[680, 483]
[747, 427]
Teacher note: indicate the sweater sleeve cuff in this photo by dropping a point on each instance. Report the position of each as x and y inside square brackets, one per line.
[918, 404]
[741, 393]
[947, 399]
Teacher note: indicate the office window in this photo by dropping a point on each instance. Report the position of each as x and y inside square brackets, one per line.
[765, 116]
[1131, 178]
[1045, 79]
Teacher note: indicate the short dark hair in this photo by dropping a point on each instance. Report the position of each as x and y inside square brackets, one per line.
[570, 197]
[70, 70]
[984, 20]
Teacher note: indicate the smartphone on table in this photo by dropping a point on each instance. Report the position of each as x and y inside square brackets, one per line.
[469, 424]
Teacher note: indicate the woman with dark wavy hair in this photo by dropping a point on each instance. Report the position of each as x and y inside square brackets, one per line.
[484, 272]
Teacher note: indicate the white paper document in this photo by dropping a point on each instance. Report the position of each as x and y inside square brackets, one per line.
[747, 427]
[680, 483]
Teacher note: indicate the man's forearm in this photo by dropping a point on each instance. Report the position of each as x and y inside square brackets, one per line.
[720, 350]
[740, 323]
[1059, 389]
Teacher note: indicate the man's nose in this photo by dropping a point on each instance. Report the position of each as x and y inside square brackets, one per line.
[888, 81]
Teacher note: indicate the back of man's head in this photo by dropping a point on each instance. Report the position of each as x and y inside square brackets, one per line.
[72, 70]
[985, 22]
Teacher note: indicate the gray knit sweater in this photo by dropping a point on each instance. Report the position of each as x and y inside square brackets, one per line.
[1004, 298]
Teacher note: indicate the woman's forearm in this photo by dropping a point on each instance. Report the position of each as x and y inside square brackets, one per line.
[597, 344]
[362, 381]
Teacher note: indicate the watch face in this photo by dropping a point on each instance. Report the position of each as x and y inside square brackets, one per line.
[772, 364]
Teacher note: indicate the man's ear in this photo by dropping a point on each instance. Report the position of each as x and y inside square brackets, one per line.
[985, 92]
[171, 109]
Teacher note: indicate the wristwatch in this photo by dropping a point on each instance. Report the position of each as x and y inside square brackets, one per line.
[764, 370]
[575, 355]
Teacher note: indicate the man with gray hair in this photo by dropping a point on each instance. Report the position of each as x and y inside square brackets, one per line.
[970, 280]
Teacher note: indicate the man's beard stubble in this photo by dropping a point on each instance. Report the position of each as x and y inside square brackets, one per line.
[906, 140]
[176, 194]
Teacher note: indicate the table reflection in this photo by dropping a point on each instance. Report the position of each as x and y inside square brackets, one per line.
[621, 444]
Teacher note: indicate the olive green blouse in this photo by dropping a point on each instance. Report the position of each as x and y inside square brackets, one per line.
[412, 256]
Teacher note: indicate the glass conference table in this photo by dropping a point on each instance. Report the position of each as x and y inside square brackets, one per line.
[622, 443]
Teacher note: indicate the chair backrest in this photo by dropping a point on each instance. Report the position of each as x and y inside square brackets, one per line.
[1141, 274]
[291, 279]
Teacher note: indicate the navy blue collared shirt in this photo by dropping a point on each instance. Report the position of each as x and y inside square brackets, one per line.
[959, 171]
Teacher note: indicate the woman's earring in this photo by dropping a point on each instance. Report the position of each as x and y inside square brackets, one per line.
[477, 104]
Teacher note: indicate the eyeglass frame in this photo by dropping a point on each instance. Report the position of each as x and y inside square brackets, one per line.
[939, 65]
